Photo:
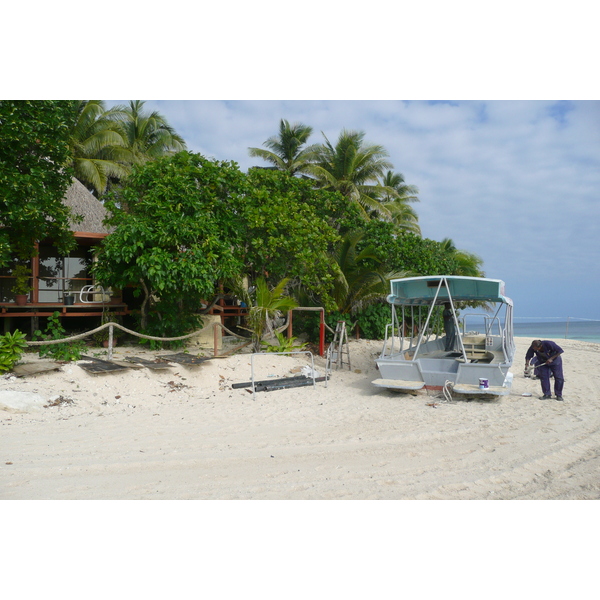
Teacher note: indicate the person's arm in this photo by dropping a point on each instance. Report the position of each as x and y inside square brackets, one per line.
[555, 351]
[553, 356]
[528, 355]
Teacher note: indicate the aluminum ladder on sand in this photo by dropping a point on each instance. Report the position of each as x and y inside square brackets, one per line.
[338, 349]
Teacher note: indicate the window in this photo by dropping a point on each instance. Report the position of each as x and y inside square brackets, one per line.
[60, 274]
[7, 282]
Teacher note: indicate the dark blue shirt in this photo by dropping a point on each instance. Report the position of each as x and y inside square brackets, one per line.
[548, 350]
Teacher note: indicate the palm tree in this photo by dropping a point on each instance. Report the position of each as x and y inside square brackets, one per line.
[268, 305]
[360, 279]
[469, 264]
[98, 147]
[352, 168]
[397, 196]
[284, 149]
[147, 136]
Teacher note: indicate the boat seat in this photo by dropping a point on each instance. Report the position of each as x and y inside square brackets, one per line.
[475, 348]
[399, 384]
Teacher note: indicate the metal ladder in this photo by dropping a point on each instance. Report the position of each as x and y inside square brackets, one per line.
[338, 349]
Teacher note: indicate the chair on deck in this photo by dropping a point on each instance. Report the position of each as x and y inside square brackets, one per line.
[93, 294]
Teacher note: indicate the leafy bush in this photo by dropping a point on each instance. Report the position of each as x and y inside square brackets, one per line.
[101, 336]
[55, 331]
[12, 346]
[284, 344]
[171, 319]
[373, 319]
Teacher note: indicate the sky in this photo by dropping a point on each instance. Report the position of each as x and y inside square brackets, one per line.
[515, 182]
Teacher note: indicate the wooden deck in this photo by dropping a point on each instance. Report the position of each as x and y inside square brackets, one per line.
[43, 309]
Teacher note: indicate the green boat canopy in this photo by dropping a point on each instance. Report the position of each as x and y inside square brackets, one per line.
[420, 291]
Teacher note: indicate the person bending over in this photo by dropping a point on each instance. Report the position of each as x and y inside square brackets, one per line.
[549, 359]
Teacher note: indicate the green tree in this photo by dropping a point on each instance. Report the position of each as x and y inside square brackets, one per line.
[467, 263]
[407, 252]
[353, 168]
[148, 135]
[98, 147]
[34, 152]
[178, 236]
[289, 228]
[268, 304]
[284, 150]
[361, 275]
[397, 197]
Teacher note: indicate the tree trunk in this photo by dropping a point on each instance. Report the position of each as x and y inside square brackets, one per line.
[143, 308]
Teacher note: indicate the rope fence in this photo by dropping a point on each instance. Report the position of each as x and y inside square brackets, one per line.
[111, 327]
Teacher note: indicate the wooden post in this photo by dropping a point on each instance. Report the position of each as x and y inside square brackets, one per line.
[110, 342]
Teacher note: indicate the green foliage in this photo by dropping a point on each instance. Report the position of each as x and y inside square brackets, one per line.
[55, 331]
[373, 319]
[284, 149]
[22, 274]
[396, 196]
[284, 344]
[106, 143]
[98, 146]
[101, 336]
[467, 263]
[353, 168]
[34, 150]
[286, 233]
[176, 233]
[407, 252]
[12, 346]
[371, 322]
[184, 223]
[171, 319]
[267, 305]
[361, 276]
[148, 135]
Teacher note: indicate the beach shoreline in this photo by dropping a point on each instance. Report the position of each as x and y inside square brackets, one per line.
[185, 433]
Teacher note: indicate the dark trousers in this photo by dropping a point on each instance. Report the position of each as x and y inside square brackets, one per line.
[556, 368]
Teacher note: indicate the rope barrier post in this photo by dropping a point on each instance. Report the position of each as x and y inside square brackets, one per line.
[110, 341]
[215, 340]
[289, 329]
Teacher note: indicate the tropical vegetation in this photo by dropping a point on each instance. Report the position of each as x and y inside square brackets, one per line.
[284, 151]
[106, 143]
[268, 305]
[34, 152]
[324, 224]
[12, 346]
[98, 147]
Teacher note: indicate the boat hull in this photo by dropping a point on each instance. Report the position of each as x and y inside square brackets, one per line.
[434, 374]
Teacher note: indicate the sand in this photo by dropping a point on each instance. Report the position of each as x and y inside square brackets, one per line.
[184, 433]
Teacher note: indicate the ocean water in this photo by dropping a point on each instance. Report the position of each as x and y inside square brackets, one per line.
[584, 330]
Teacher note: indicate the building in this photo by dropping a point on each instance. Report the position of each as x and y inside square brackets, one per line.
[57, 281]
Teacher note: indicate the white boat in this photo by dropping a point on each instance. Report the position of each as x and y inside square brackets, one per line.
[449, 343]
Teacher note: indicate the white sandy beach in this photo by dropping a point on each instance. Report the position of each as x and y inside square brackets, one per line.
[184, 433]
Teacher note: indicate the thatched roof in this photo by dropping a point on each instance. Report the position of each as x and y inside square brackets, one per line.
[83, 202]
